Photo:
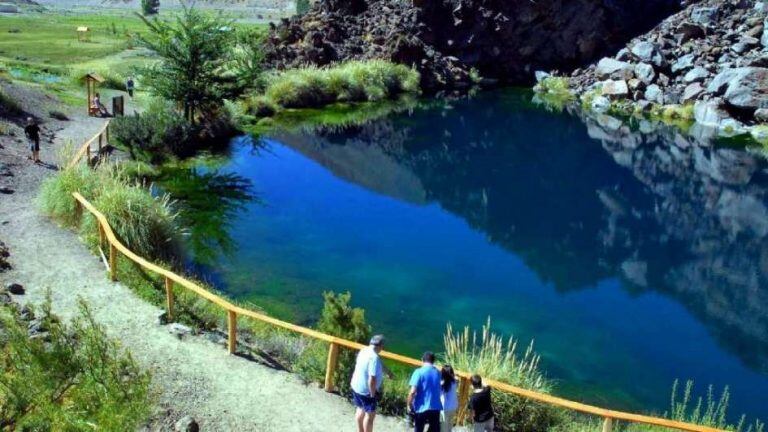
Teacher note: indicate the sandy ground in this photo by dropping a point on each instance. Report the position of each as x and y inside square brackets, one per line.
[192, 376]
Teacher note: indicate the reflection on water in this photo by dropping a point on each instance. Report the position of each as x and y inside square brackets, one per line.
[631, 253]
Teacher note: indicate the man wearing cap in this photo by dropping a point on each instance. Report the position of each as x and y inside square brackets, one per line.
[424, 397]
[32, 131]
[366, 383]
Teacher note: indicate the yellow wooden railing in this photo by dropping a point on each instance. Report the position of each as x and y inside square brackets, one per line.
[102, 137]
[610, 417]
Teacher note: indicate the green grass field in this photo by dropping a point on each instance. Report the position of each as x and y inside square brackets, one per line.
[51, 39]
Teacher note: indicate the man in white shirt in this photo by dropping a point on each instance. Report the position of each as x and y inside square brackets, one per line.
[366, 383]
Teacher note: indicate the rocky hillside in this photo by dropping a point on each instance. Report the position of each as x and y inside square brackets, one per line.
[504, 40]
[711, 54]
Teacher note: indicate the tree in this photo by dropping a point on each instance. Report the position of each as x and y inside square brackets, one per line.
[197, 68]
[150, 7]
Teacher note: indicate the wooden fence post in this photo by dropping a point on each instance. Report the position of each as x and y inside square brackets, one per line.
[463, 413]
[608, 425]
[101, 236]
[88, 155]
[79, 210]
[331, 365]
[113, 262]
[232, 329]
[100, 136]
[169, 297]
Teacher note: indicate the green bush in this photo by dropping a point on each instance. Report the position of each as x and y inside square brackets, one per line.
[353, 81]
[56, 192]
[145, 224]
[339, 319]
[8, 105]
[73, 378]
[491, 357]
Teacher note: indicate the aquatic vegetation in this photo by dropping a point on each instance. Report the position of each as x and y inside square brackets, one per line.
[353, 81]
[76, 378]
[491, 356]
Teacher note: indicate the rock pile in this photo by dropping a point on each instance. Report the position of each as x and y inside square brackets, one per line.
[712, 54]
[504, 40]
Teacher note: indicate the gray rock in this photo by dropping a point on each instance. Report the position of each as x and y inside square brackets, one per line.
[649, 52]
[179, 330]
[615, 88]
[697, 74]
[691, 92]
[683, 63]
[608, 67]
[15, 288]
[5, 170]
[541, 75]
[760, 7]
[601, 104]
[654, 94]
[745, 44]
[186, 424]
[709, 113]
[720, 83]
[764, 38]
[623, 55]
[704, 15]
[645, 73]
[761, 115]
[689, 31]
[749, 90]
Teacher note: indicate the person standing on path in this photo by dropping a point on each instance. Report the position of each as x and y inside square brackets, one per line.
[481, 406]
[366, 383]
[32, 131]
[424, 397]
[129, 85]
[449, 397]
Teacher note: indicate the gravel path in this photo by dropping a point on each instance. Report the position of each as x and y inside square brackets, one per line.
[193, 376]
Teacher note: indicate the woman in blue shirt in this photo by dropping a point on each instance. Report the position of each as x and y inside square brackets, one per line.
[449, 397]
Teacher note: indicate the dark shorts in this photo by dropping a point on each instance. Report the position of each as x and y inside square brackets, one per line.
[364, 402]
[34, 145]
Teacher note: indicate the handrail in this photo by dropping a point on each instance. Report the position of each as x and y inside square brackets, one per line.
[85, 148]
[230, 308]
[106, 233]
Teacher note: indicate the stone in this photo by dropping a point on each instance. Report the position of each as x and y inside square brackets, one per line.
[5, 170]
[760, 7]
[645, 73]
[691, 92]
[179, 330]
[688, 31]
[764, 37]
[721, 81]
[186, 424]
[15, 288]
[683, 63]
[601, 104]
[623, 55]
[697, 74]
[635, 84]
[731, 127]
[759, 133]
[744, 44]
[608, 67]
[616, 88]
[704, 15]
[541, 75]
[749, 89]
[761, 115]
[709, 113]
[649, 52]
[654, 94]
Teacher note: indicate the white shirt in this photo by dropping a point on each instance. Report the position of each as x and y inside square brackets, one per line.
[450, 399]
[368, 364]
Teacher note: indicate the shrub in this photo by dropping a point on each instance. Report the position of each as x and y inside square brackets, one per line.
[74, 378]
[150, 7]
[145, 224]
[8, 105]
[490, 357]
[353, 81]
[339, 319]
[56, 193]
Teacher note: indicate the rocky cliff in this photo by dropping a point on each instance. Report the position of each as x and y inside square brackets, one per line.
[505, 40]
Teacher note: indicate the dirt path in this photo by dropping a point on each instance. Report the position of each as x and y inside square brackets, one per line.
[193, 376]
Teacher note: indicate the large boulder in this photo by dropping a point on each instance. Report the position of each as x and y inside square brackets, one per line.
[610, 68]
[649, 52]
[749, 90]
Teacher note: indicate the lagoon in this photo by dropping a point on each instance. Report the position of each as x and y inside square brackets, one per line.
[630, 255]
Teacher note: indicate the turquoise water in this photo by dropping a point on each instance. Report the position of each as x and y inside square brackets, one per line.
[630, 259]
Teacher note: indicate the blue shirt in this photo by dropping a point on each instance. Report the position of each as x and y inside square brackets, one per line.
[426, 380]
[368, 364]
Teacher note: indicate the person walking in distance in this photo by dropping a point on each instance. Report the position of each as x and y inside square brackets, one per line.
[481, 405]
[366, 383]
[424, 396]
[32, 131]
[129, 86]
[449, 397]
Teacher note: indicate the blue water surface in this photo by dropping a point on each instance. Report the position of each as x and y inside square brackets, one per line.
[630, 259]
